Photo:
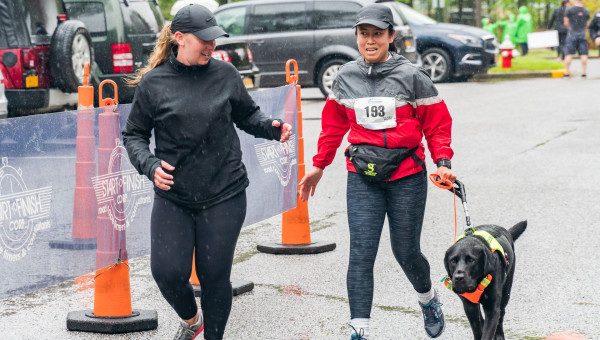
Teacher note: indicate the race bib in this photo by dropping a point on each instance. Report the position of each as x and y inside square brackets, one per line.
[376, 113]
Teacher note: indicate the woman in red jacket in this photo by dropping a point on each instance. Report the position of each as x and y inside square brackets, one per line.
[388, 104]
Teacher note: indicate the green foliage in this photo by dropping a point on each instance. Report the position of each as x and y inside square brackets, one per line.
[499, 10]
[592, 5]
[165, 7]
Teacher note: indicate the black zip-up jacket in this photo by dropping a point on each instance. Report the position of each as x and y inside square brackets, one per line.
[192, 110]
[595, 26]
[557, 20]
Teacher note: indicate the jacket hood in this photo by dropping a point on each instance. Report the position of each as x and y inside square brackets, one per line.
[523, 10]
[381, 69]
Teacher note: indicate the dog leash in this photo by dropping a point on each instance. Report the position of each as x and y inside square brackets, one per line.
[458, 189]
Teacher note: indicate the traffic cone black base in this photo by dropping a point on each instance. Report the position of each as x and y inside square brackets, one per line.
[238, 287]
[315, 247]
[85, 321]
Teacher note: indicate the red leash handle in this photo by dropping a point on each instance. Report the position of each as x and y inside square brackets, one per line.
[446, 185]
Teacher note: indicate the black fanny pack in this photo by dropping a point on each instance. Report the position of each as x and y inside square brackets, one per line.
[377, 164]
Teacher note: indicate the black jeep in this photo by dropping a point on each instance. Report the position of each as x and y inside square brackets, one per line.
[44, 45]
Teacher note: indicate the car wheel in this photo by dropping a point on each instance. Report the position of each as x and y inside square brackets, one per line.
[327, 74]
[436, 62]
[70, 50]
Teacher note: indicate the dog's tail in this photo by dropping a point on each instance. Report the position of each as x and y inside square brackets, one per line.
[518, 229]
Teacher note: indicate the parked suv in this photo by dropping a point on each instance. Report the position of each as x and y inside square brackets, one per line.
[450, 51]
[317, 33]
[44, 45]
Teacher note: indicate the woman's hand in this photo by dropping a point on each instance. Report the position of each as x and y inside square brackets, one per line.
[308, 184]
[286, 130]
[445, 174]
[163, 180]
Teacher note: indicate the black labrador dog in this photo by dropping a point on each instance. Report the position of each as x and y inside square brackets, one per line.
[469, 261]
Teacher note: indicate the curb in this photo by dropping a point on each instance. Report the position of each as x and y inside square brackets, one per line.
[576, 57]
[518, 75]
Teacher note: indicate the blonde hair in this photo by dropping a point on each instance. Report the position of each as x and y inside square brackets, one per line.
[160, 54]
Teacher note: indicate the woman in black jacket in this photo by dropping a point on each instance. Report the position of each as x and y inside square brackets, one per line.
[192, 102]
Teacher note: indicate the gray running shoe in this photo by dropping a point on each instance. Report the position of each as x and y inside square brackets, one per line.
[433, 316]
[189, 332]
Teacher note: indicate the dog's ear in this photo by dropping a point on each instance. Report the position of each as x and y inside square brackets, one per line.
[489, 261]
[447, 260]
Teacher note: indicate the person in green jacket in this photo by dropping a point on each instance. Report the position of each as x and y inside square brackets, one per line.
[486, 25]
[501, 28]
[524, 26]
[511, 28]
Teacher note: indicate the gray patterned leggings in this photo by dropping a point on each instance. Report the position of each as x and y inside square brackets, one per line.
[403, 201]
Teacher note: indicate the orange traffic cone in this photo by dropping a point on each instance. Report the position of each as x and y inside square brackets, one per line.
[194, 277]
[295, 229]
[238, 286]
[112, 311]
[83, 232]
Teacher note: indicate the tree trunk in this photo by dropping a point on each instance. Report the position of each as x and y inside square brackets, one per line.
[547, 14]
[478, 13]
[429, 8]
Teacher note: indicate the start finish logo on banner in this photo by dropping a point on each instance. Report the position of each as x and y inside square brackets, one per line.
[120, 191]
[278, 158]
[23, 212]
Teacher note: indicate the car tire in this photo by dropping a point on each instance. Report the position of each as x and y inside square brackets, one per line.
[70, 49]
[327, 73]
[437, 63]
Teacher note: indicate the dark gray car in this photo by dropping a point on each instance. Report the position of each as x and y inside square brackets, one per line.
[317, 33]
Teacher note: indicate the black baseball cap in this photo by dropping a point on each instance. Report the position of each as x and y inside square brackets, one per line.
[198, 20]
[377, 15]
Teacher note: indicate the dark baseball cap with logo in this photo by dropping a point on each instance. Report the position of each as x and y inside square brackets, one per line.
[377, 15]
[198, 20]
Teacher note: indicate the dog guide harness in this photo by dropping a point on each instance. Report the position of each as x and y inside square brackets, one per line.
[494, 246]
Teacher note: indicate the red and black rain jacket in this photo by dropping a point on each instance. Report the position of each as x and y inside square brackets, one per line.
[419, 112]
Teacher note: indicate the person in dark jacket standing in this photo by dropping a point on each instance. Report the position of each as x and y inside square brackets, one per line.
[388, 104]
[576, 18]
[556, 22]
[595, 30]
[192, 102]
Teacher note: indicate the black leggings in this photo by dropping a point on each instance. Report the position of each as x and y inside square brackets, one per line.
[213, 232]
[403, 201]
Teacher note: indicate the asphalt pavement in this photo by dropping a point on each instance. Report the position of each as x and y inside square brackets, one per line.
[525, 149]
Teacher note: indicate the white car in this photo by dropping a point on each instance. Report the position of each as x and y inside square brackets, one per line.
[3, 101]
[179, 4]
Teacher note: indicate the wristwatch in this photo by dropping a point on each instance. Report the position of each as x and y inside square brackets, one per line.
[444, 162]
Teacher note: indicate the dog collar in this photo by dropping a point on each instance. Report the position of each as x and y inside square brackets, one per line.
[490, 240]
[475, 295]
